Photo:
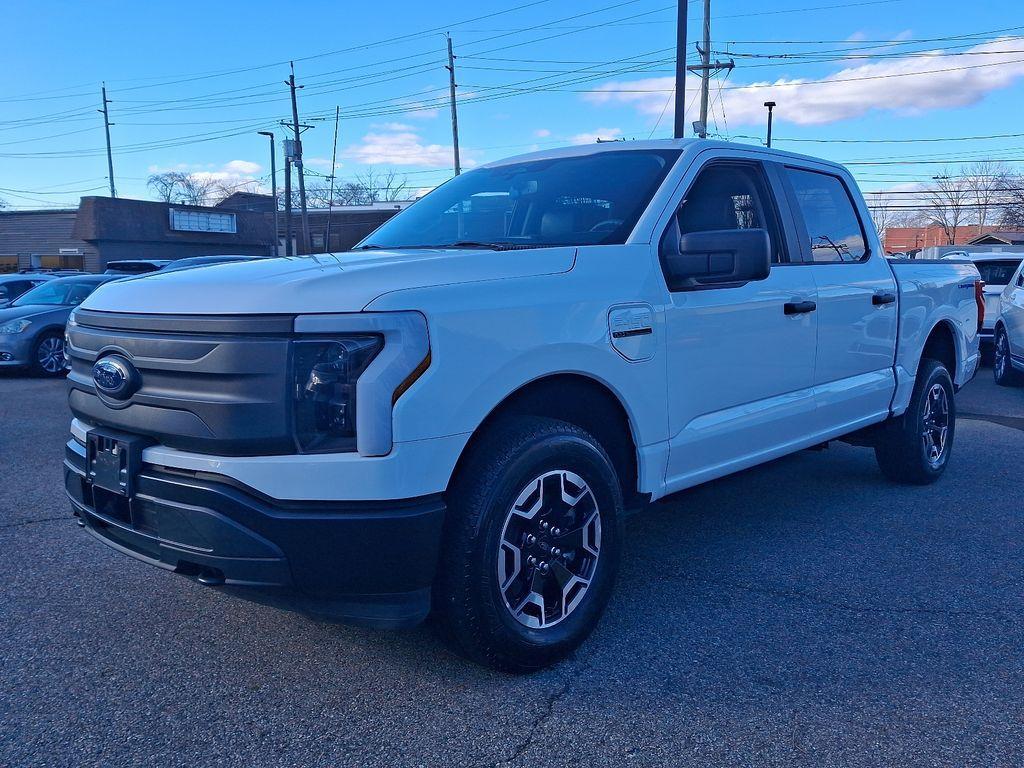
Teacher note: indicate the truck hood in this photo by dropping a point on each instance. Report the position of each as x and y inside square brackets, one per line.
[335, 282]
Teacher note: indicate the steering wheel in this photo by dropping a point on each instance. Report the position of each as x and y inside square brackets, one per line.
[607, 225]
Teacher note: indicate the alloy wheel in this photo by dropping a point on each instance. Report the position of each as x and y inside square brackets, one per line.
[1002, 355]
[50, 354]
[935, 423]
[549, 548]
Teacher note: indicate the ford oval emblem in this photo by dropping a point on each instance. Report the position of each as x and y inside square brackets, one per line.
[115, 377]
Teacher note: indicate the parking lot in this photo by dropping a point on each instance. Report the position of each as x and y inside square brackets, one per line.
[802, 613]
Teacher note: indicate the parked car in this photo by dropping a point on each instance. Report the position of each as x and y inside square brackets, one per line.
[458, 413]
[12, 286]
[997, 270]
[136, 266]
[32, 326]
[1008, 362]
[192, 262]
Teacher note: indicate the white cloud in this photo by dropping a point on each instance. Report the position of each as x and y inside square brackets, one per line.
[393, 127]
[404, 147]
[242, 167]
[542, 133]
[320, 162]
[907, 86]
[600, 133]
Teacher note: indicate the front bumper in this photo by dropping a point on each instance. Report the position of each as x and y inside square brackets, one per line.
[15, 349]
[369, 563]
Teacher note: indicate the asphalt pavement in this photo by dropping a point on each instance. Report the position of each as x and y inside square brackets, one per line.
[802, 613]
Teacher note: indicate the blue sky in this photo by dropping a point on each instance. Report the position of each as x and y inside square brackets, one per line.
[192, 82]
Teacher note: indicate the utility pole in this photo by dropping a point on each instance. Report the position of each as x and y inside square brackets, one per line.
[707, 68]
[298, 161]
[287, 205]
[680, 123]
[330, 195]
[273, 186]
[771, 108]
[106, 128]
[705, 60]
[455, 113]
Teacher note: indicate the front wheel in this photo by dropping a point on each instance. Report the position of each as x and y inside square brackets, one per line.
[48, 355]
[1002, 367]
[915, 447]
[531, 544]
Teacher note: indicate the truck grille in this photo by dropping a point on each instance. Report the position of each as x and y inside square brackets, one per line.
[214, 385]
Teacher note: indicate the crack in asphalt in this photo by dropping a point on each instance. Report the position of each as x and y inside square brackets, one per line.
[36, 520]
[793, 594]
[1014, 422]
[545, 714]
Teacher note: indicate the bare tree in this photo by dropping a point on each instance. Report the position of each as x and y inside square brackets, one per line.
[195, 189]
[365, 189]
[949, 204]
[166, 186]
[1012, 213]
[882, 213]
[385, 187]
[987, 180]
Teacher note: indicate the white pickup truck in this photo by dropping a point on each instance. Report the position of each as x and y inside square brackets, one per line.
[455, 415]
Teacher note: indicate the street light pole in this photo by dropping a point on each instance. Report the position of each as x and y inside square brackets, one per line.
[771, 107]
[273, 186]
[679, 130]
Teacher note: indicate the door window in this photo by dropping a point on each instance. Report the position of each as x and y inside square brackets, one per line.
[730, 196]
[834, 229]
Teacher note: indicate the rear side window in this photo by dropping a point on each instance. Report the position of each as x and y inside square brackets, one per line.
[834, 229]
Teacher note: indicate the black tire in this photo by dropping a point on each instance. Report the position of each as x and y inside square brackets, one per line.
[48, 355]
[903, 450]
[471, 605]
[1002, 369]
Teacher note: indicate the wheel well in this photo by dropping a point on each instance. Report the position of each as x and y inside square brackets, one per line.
[578, 400]
[941, 346]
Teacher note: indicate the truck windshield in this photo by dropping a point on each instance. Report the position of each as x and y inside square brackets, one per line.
[583, 200]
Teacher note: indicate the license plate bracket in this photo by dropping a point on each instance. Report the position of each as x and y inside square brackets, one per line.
[113, 460]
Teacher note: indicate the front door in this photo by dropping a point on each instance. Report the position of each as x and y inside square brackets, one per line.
[740, 357]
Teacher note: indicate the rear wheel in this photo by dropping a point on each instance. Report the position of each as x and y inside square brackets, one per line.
[48, 355]
[915, 447]
[1002, 367]
[531, 544]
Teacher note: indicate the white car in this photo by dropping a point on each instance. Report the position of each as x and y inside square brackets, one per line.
[997, 270]
[456, 415]
[1008, 364]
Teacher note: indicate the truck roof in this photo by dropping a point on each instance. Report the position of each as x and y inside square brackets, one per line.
[579, 150]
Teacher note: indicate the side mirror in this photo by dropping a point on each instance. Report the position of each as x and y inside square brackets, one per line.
[718, 256]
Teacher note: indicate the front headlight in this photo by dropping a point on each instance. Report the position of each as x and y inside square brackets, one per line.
[325, 372]
[15, 326]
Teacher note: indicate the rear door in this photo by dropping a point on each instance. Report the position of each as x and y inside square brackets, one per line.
[1011, 312]
[857, 299]
[740, 359]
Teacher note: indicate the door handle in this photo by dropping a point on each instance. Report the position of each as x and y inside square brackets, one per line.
[881, 299]
[799, 307]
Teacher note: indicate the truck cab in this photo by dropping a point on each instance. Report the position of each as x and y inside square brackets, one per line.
[456, 415]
